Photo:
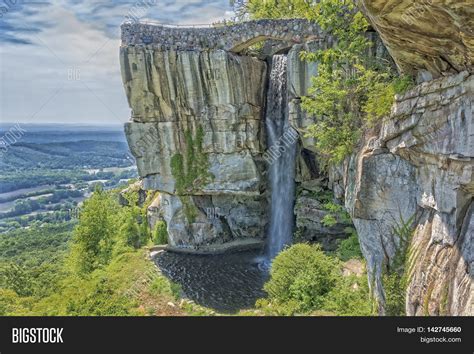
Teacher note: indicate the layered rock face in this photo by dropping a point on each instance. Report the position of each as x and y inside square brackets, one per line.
[313, 189]
[428, 38]
[206, 107]
[186, 87]
[418, 170]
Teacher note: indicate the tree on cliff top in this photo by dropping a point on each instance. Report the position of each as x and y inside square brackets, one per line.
[352, 89]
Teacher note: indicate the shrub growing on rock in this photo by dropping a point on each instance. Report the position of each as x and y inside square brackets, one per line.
[161, 233]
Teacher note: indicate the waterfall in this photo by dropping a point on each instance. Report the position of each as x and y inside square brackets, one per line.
[280, 156]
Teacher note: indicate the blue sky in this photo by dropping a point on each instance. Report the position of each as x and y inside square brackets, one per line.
[59, 59]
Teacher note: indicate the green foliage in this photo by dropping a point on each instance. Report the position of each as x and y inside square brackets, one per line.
[304, 280]
[98, 299]
[381, 97]
[94, 235]
[36, 245]
[394, 288]
[337, 214]
[350, 297]
[135, 230]
[351, 89]
[161, 286]
[300, 277]
[177, 169]
[395, 277]
[329, 220]
[350, 247]
[191, 170]
[258, 9]
[9, 302]
[304, 274]
[161, 233]
[16, 278]
[31, 260]
[345, 78]
[130, 230]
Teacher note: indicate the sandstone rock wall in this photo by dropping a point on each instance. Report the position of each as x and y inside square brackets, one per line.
[174, 92]
[420, 164]
[428, 38]
[313, 188]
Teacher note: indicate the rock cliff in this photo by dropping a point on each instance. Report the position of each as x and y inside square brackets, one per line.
[197, 132]
[427, 38]
[418, 169]
[194, 99]
[203, 107]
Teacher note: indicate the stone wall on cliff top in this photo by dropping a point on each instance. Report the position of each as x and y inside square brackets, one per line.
[419, 165]
[228, 37]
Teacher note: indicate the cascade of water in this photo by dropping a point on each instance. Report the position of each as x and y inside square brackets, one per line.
[282, 164]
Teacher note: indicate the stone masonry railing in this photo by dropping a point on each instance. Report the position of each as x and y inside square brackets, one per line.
[233, 38]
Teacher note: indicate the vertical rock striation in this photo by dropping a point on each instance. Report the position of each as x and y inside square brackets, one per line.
[420, 165]
[205, 106]
[197, 127]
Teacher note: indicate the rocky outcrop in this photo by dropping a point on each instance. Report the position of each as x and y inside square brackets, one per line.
[136, 188]
[428, 38]
[205, 108]
[191, 95]
[418, 169]
[310, 215]
[175, 92]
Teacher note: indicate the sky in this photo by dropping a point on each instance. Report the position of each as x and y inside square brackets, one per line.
[59, 59]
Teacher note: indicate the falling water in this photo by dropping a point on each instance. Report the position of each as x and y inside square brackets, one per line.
[282, 165]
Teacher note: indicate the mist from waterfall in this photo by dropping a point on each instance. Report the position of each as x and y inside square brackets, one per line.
[282, 165]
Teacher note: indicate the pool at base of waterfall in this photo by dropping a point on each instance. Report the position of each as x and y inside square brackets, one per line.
[226, 283]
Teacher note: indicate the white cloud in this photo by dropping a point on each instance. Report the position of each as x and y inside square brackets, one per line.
[78, 39]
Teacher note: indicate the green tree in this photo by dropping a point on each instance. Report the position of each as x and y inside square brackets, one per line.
[130, 231]
[16, 278]
[305, 280]
[161, 233]
[257, 9]
[94, 235]
[353, 88]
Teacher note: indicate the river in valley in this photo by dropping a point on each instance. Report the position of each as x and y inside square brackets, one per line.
[226, 283]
